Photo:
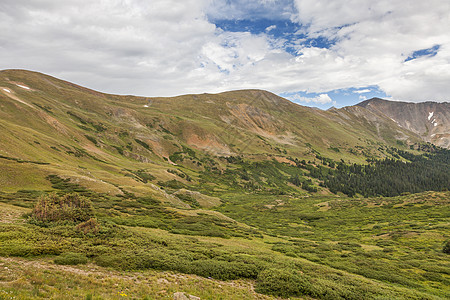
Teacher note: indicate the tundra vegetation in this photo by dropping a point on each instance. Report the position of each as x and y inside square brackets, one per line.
[269, 230]
[238, 195]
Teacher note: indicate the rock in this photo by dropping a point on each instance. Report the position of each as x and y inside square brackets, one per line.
[179, 296]
[183, 296]
[162, 281]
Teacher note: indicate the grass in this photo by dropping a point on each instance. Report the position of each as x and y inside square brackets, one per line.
[347, 250]
[41, 279]
[354, 260]
[363, 236]
[213, 225]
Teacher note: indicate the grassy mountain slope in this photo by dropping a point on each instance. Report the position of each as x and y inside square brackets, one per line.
[94, 136]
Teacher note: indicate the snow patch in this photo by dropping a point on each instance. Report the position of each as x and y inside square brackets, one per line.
[395, 121]
[6, 90]
[23, 86]
[145, 105]
[435, 124]
[430, 115]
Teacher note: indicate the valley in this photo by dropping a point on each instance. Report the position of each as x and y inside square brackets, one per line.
[237, 195]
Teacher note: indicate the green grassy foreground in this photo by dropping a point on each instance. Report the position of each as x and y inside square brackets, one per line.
[31, 279]
[318, 247]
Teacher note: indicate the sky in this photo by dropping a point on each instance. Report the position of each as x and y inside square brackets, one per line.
[318, 53]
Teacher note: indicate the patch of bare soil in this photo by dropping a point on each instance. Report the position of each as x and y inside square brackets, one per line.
[11, 214]
[323, 206]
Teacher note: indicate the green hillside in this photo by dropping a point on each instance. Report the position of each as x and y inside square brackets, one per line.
[241, 194]
[92, 137]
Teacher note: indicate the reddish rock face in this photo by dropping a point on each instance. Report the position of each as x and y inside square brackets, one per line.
[430, 120]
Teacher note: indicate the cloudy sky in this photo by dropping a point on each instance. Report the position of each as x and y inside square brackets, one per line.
[314, 52]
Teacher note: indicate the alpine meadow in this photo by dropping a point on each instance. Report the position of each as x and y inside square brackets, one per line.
[235, 195]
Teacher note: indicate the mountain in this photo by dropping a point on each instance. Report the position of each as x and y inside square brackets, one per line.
[291, 201]
[430, 120]
[73, 129]
[93, 137]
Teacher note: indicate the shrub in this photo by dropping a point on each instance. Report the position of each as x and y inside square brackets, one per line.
[71, 258]
[162, 259]
[143, 144]
[90, 226]
[70, 207]
[92, 139]
[283, 283]
[172, 184]
[22, 249]
[223, 270]
[446, 248]
[188, 199]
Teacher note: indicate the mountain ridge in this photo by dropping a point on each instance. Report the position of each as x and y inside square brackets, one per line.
[73, 129]
[429, 119]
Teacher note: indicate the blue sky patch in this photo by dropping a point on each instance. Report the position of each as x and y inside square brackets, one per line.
[337, 98]
[276, 29]
[351, 96]
[321, 100]
[430, 52]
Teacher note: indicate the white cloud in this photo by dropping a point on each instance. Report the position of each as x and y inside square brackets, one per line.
[320, 99]
[271, 27]
[362, 91]
[115, 46]
[168, 47]
[373, 39]
[234, 51]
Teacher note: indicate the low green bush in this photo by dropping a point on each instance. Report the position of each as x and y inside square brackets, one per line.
[223, 270]
[71, 258]
[446, 248]
[161, 259]
[188, 199]
[283, 283]
[172, 184]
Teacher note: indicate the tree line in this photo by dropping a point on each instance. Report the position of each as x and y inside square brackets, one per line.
[388, 177]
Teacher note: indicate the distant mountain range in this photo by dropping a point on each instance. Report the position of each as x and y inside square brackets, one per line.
[56, 127]
[430, 120]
